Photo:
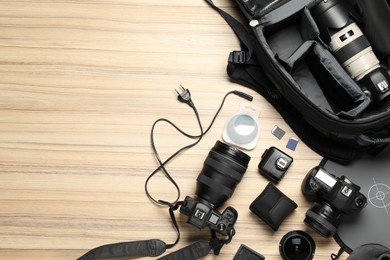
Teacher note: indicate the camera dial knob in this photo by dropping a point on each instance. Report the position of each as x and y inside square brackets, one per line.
[221, 227]
[360, 202]
[314, 186]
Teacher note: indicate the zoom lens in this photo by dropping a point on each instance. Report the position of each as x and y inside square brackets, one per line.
[346, 40]
[336, 21]
[297, 245]
[222, 170]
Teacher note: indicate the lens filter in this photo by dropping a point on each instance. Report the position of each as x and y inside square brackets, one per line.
[243, 129]
[297, 245]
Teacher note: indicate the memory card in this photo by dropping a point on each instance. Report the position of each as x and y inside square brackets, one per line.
[278, 132]
[292, 143]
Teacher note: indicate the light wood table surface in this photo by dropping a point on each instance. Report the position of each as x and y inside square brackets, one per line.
[81, 83]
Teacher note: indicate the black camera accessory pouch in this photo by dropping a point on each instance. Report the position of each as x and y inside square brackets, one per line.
[272, 206]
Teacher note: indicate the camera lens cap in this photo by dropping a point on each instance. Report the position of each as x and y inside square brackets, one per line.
[297, 245]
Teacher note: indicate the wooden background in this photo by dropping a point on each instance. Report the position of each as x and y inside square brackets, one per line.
[81, 83]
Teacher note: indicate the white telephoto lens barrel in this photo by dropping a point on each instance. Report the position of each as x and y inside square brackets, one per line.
[353, 51]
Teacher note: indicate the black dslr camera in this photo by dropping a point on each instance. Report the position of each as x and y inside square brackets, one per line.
[223, 169]
[202, 214]
[334, 196]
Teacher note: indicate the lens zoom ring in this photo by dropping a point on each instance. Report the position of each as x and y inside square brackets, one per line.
[229, 168]
[215, 186]
[351, 49]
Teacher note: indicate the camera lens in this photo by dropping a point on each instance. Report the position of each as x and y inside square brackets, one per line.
[350, 46]
[222, 170]
[345, 38]
[323, 219]
[297, 245]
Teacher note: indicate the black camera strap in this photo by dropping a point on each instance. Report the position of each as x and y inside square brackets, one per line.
[152, 247]
[156, 247]
[141, 248]
[200, 248]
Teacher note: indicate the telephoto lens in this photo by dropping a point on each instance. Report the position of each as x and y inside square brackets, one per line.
[222, 170]
[297, 245]
[336, 20]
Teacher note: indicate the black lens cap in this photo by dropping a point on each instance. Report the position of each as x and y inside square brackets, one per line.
[297, 245]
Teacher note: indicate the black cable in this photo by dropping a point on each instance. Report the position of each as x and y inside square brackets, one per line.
[162, 164]
[185, 97]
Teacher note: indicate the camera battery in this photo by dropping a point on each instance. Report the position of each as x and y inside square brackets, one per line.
[274, 164]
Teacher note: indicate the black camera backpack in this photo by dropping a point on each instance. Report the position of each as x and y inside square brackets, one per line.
[283, 58]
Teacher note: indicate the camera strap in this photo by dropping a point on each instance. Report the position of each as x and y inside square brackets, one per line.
[199, 249]
[141, 248]
[156, 247]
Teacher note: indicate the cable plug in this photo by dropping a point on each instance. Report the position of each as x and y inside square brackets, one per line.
[243, 95]
[184, 95]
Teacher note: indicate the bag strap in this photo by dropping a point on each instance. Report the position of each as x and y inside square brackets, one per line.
[339, 253]
[241, 33]
[242, 65]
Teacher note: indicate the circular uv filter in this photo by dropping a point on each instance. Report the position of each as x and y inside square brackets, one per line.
[242, 129]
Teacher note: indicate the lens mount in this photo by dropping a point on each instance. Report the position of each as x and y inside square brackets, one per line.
[297, 245]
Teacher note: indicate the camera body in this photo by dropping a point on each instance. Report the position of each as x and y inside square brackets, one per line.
[334, 196]
[201, 214]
